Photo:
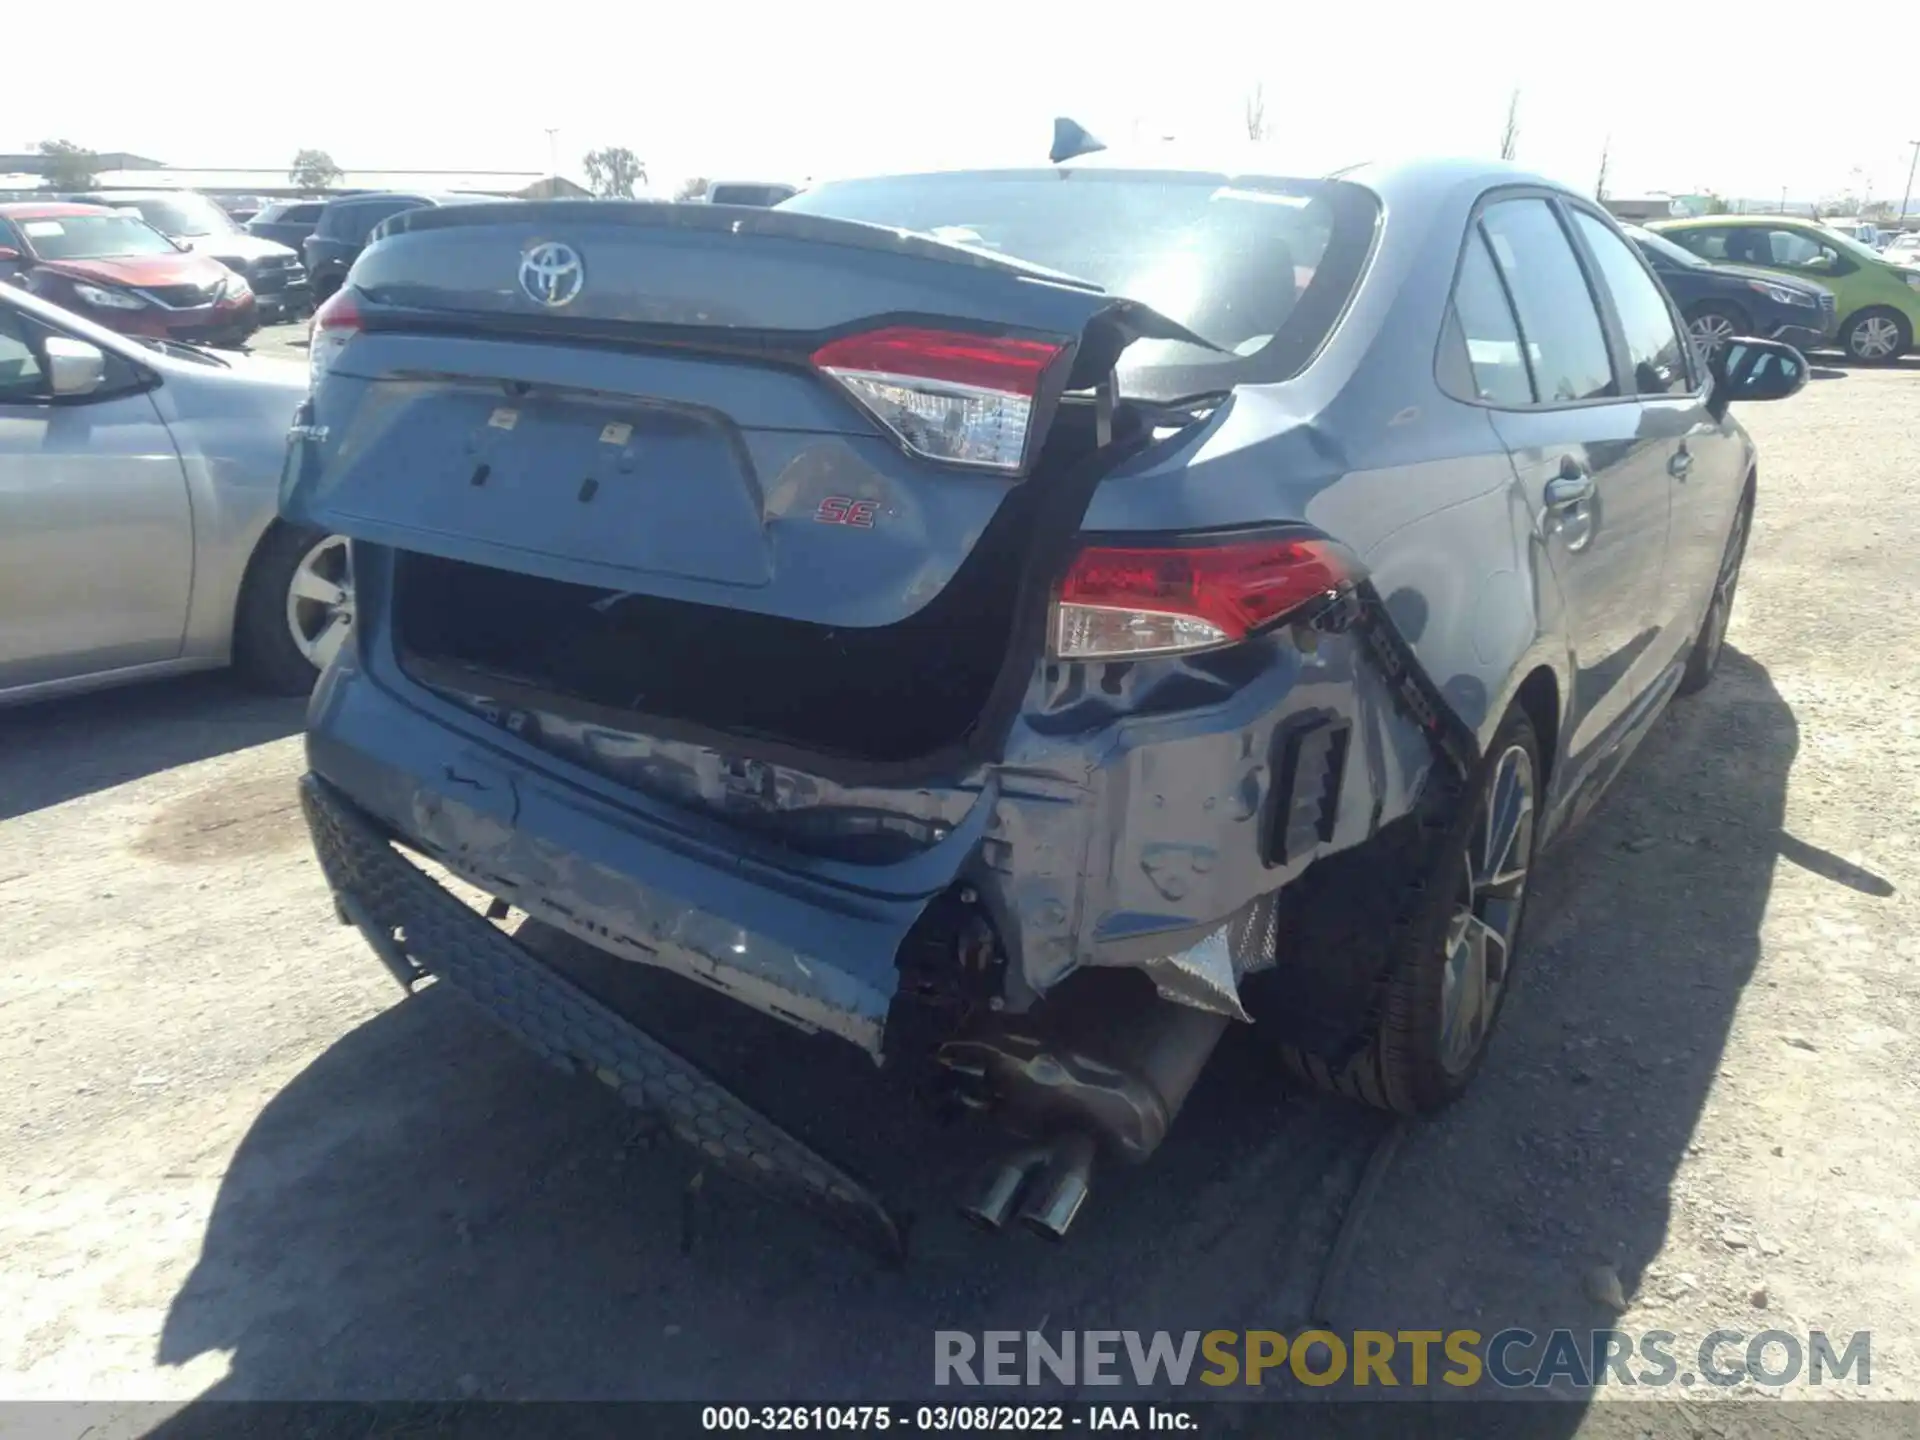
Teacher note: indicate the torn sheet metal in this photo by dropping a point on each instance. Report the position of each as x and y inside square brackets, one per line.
[1208, 976]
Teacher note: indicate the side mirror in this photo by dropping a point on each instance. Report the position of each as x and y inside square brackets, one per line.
[74, 367]
[1757, 370]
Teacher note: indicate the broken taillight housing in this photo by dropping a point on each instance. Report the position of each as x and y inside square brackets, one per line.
[1125, 602]
[960, 398]
[334, 323]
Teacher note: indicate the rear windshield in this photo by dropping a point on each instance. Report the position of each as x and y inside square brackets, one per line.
[748, 194]
[1259, 268]
[354, 221]
[92, 237]
[284, 214]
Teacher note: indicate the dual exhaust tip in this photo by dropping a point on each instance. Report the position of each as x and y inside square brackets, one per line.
[1053, 1180]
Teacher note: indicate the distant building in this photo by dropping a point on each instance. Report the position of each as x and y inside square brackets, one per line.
[36, 163]
[1656, 206]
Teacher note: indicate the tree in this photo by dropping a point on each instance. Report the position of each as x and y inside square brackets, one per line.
[1510, 136]
[1257, 112]
[68, 166]
[1600, 184]
[613, 171]
[1712, 204]
[692, 188]
[314, 170]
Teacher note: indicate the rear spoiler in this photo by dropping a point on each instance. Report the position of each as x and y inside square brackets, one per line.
[764, 283]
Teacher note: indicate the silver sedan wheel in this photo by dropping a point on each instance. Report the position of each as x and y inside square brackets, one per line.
[1486, 915]
[1874, 338]
[320, 601]
[1710, 333]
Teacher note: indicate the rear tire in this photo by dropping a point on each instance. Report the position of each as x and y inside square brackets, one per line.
[275, 631]
[1713, 324]
[1708, 645]
[1452, 963]
[1876, 337]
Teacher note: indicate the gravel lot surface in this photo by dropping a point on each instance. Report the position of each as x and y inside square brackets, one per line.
[233, 1162]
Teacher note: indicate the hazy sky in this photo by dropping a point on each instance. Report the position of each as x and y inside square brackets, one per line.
[838, 86]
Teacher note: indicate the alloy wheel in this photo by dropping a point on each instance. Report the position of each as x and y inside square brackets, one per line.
[1710, 333]
[1480, 935]
[1874, 338]
[320, 601]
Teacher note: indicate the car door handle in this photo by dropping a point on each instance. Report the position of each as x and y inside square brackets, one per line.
[1680, 465]
[1572, 486]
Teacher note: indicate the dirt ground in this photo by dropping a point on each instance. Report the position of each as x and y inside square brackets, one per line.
[234, 1163]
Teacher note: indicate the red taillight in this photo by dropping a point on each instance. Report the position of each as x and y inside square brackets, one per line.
[334, 323]
[1121, 602]
[966, 399]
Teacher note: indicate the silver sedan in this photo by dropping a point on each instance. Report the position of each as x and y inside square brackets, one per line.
[137, 529]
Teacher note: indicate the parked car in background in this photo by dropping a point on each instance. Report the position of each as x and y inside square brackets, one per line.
[1854, 228]
[288, 222]
[1878, 300]
[1903, 249]
[118, 271]
[749, 192]
[1723, 301]
[137, 527]
[340, 234]
[274, 271]
[1228, 659]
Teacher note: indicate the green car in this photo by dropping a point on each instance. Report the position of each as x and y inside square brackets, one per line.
[1879, 300]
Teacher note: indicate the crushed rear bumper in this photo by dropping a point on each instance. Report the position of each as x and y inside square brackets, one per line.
[418, 928]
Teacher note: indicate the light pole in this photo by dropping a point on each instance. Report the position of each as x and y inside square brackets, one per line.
[553, 151]
[1910, 168]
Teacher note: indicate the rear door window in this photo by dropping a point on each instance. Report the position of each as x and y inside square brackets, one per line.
[1559, 322]
[1708, 242]
[1481, 357]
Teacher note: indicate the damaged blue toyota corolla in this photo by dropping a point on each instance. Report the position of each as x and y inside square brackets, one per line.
[1019, 622]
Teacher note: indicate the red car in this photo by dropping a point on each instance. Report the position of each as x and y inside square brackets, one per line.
[120, 272]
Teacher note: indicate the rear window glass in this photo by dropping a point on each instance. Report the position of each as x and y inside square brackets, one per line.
[748, 194]
[355, 222]
[1258, 268]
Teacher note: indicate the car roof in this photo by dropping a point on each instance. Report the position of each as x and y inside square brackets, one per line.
[1406, 176]
[1685, 221]
[49, 209]
[108, 197]
[430, 197]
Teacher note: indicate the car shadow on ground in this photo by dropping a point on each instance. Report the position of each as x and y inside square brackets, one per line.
[58, 750]
[1558, 1173]
[491, 1228]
